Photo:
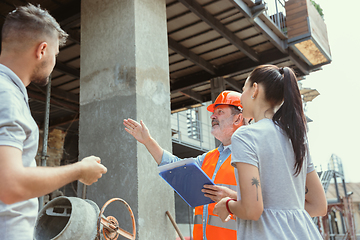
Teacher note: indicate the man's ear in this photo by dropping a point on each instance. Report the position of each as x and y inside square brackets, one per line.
[239, 120]
[255, 90]
[40, 50]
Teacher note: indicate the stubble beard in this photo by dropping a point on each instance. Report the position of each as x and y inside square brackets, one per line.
[216, 132]
[37, 76]
[221, 133]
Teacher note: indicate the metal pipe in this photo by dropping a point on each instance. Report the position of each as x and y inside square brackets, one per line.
[175, 226]
[83, 195]
[336, 187]
[190, 212]
[277, 15]
[178, 125]
[45, 134]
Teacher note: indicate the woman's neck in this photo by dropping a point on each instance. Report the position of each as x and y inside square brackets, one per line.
[264, 112]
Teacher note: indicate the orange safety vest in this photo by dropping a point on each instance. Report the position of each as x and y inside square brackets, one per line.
[215, 228]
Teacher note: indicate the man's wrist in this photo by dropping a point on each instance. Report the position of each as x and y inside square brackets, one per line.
[78, 166]
[148, 142]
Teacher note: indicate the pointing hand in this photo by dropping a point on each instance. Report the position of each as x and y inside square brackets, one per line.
[138, 130]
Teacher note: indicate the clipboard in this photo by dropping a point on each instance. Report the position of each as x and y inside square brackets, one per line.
[187, 179]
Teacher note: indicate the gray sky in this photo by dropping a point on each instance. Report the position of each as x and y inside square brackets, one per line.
[336, 112]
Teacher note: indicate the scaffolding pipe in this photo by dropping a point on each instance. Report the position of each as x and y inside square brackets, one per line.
[175, 225]
[44, 155]
[277, 15]
[190, 212]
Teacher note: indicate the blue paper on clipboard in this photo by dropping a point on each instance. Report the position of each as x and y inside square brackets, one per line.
[187, 179]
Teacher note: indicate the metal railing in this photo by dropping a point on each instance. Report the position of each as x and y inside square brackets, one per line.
[276, 12]
[335, 164]
[180, 132]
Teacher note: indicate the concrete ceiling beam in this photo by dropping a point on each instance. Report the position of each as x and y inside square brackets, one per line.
[220, 28]
[191, 56]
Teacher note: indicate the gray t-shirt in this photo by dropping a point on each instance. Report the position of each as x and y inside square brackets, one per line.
[17, 129]
[267, 147]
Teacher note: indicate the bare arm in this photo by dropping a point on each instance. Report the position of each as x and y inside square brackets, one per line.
[250, 206]
[216, 193]
[315, 199]
[141, 133]
[19, 183]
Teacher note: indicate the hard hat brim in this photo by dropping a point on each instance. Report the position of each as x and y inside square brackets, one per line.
[211, 107]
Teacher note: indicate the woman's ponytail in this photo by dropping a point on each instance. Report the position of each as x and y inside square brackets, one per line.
[281, 88]
[291, 118]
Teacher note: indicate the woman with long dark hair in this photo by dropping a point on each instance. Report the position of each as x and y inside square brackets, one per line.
[278, 188]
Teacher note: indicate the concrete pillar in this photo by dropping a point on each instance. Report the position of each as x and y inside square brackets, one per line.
[125, 74]
[217, 86]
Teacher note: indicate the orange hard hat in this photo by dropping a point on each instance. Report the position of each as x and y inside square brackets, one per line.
[228, 98]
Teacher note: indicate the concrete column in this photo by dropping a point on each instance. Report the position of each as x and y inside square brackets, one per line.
[125, 74]
[217, 86]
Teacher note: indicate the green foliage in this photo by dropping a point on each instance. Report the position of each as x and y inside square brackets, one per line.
[318, 8]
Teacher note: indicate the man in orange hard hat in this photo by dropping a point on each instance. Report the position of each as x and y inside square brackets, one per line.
[226, 119]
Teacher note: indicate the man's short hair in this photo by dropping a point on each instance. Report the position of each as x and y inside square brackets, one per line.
[28, 22]
[235, 110]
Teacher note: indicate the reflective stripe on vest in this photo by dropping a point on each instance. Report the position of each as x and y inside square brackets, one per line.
[198, 219]
[215, 228]
[216, 221]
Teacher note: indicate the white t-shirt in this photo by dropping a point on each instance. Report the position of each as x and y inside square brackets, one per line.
[17, 129]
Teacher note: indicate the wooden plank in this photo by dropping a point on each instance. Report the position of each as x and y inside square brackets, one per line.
[293, 7]
[271, 24]
[237, 25]
[318, 29]
[247, 33]
[255, 40]
[219, 52]
[292, 3]
[296, 26]
[228, 58]
[320, 35]
[295, 10]
[188, 31]
[184, 72]
[298, 32]
[296, 20]
[210, 46]
[316, 18]
[180, 65]
[311, 52]
[295, 1]
[297, 15]
[214, 23]
[264, 47]
[175, 58]
[199, 39]
[290, 7]
[262, 26]
[190, 55]
[249, 3]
